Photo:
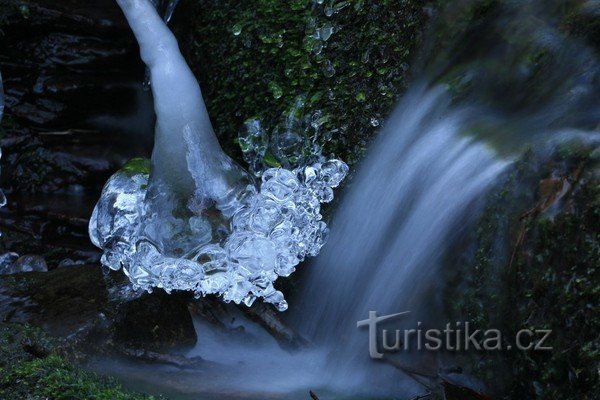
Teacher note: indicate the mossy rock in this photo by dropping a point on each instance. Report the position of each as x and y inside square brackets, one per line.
[536, 268]
[56, 379]
[335, 68]
[49, 375]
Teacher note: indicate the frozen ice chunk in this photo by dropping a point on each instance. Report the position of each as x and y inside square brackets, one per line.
[272, 228]
[117, 214]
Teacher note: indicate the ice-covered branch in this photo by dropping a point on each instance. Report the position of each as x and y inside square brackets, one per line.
[182, 122]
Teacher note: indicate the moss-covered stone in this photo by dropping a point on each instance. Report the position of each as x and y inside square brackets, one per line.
[335, 68]
[53, 377]
[537, 268]
[56, 379]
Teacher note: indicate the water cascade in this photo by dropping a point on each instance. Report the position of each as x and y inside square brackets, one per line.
[388, 238]
[197, 221]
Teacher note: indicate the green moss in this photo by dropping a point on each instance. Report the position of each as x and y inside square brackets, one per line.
[558, 275]
[53, 377]
[137, 166]
[11, 337]
[348, 60]
[548, 279]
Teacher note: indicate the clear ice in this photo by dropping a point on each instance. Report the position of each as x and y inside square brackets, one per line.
[193, 219]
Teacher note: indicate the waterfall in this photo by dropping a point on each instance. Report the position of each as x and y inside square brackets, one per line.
[418, 189]
[422, 178]
[418, 184]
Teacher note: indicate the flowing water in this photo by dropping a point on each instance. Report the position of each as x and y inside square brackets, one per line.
[424, 181]
[418, 185]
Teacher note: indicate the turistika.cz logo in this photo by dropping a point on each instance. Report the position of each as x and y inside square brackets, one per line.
[457, 336]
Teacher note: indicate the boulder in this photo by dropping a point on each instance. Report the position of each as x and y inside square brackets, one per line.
[87, 304]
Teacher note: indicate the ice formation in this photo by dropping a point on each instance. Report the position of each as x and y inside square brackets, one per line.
[194, 220]
[271, 230]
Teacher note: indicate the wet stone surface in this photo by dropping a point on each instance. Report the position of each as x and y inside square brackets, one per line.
[86, 304]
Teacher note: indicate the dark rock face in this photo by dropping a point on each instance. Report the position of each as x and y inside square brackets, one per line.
[56, 53]
[62, 302]
[75, 112]
[158, 319]
[535, 263]
[88, 305]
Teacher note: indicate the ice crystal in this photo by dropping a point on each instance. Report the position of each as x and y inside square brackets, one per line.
[272, 228]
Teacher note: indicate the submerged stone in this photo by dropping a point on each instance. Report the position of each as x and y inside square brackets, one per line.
[6, 262]
[27, 263]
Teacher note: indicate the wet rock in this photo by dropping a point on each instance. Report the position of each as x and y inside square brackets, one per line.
[26, 263]
[67, 262]
[48, 171]
[73, 15]
[11, 263]
[83, 303]
[175, 360]
[155, 321]
[62, 302]
[6, 260]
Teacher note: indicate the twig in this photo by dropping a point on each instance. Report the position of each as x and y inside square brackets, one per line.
[541, 206]
[162, 358]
